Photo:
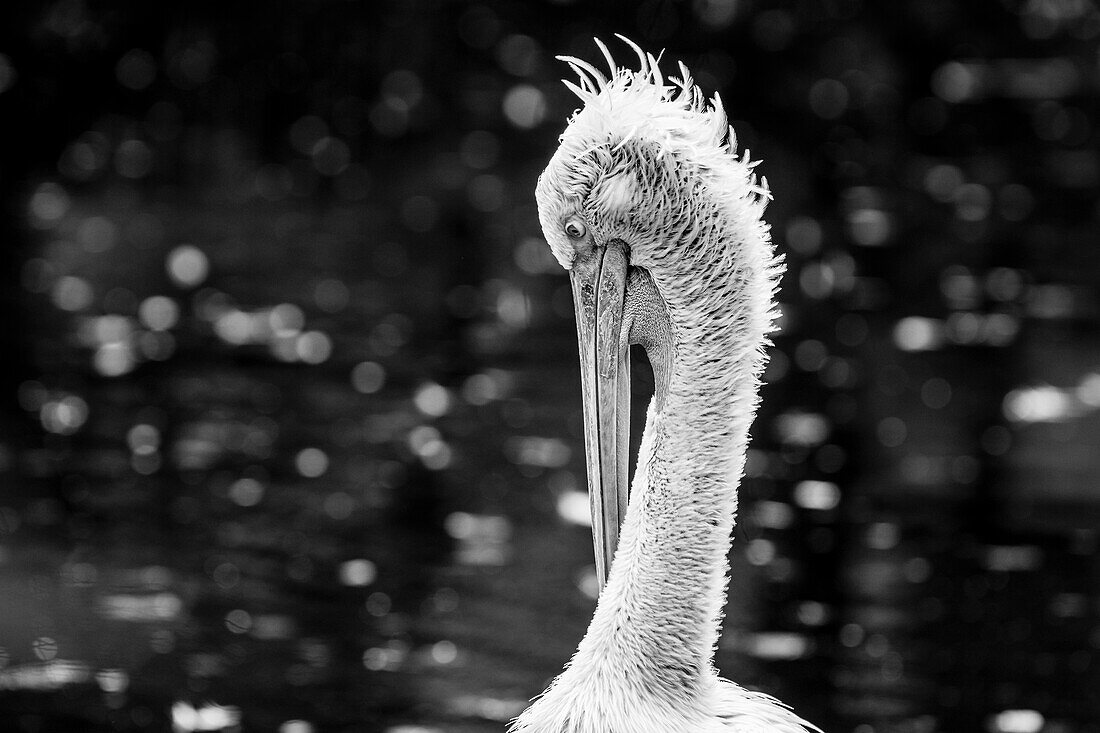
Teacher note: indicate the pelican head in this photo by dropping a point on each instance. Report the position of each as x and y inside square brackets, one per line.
[659, 224]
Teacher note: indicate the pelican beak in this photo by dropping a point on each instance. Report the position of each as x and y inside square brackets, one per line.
[599, 281]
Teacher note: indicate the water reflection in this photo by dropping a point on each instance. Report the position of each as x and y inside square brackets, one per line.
[306, 432]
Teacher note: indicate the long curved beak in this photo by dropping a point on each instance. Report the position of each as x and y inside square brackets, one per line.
[599, 291]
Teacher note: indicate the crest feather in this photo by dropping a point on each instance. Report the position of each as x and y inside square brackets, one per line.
[643, 105]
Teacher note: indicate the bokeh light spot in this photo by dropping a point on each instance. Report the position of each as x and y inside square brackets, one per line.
[851, 635]
[209, 717]
[387, 658]
[368, 377]
[804, 235]
[915, 333]
[136, 70]
[246, 492]
[444, 652]
[378, 604]
[810, 355]
[519, 54]
[331, 156]
[802, 428]
[64, 415]
[869, 227]
[313, 347]
[156, 345]
[159, 312]
[143, 439]
[891, 431]
[524, 106]
[533, 257]
[112, 680]
[71, 293]
[1042, 403]
[286, 319]
[297, 726]
[115, 358]
[48, 204]
[955, 82]
[339, 505]
[936, 393]
[311, 462]
[1017, 721]
[819, 495]
[358, 573]
[760, 552]
[813, 613]
[188, 266]
[882, 535]
[573, 507]
[942, 180]
[972, 202]
[97, 234]
[773, 514]
[828, 98]
[238, 621]
[433, 400]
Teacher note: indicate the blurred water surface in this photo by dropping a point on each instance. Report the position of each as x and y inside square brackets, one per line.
[299, 445]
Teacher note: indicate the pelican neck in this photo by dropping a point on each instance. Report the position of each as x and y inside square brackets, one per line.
[661, 607]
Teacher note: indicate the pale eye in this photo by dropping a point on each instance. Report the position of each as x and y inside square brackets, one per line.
[574, 229]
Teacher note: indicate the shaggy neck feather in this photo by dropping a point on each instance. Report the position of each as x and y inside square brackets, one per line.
[657, 620]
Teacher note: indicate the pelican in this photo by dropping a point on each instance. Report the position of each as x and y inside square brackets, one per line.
[659, 225]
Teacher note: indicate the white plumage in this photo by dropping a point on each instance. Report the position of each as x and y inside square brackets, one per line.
[652, 165]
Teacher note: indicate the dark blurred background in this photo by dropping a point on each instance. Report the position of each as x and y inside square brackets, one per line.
[291, 435]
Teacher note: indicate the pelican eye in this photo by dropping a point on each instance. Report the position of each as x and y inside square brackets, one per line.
[575, 229]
